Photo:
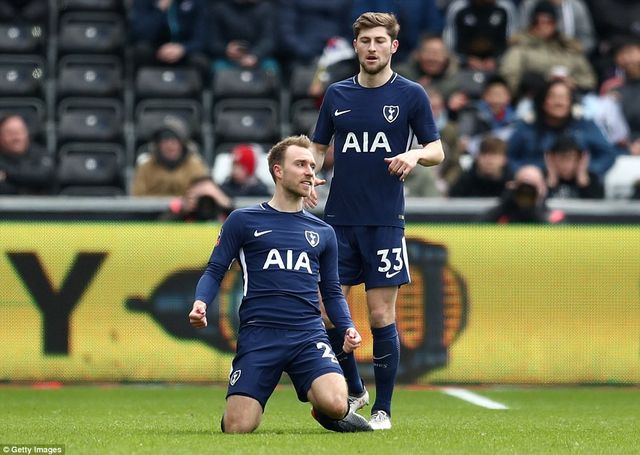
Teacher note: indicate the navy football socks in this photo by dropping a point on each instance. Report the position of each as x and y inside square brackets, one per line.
[347, 362]
[386, 358]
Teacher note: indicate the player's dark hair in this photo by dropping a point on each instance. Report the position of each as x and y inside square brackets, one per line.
[277, 152]
[372, 20]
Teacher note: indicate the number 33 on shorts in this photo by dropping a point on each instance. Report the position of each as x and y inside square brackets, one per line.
[391, 261]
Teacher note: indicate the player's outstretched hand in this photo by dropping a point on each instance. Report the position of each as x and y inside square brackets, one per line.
[352, 340]
[198, 315]
[402, 164]
[311, 201]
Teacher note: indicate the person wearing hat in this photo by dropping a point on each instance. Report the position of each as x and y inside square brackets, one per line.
[169, 164]
[243, 180]
[544, 50]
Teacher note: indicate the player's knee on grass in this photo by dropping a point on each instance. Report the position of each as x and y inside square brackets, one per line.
[242, 415]
[328, 394]
[236, 424]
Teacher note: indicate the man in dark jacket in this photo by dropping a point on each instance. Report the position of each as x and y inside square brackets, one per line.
[25, 168]
[170, 32]
[243, 34]
[489, 173]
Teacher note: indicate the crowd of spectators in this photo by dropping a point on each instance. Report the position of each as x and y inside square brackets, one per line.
[513, 84]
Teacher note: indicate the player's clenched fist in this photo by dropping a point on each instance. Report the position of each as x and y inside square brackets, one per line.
[352, 340]
[198, 315]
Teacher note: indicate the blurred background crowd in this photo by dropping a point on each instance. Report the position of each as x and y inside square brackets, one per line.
[534, 99]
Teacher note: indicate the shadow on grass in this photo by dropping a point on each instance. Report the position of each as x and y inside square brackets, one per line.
[216, 432]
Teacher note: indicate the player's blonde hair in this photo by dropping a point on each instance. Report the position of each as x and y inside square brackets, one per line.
[372, 20]
[277, 152]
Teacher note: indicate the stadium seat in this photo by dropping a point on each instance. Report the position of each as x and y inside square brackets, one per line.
[90, 119]
[621, 177]
[91, 32]
[91, 169]
[153, 112]
[242, 120]
[33, 110]
[168, 82]
[22, 75]
[89, 75]
[85, 5]
[304, 114]
[244, 83]
[223, 160]
[471, 82]
[301, 77]
[21, 38]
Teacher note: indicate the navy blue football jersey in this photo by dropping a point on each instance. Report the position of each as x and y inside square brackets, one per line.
[368, 125]
[281, 255]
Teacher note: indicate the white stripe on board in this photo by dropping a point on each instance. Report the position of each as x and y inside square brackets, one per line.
[473, 398]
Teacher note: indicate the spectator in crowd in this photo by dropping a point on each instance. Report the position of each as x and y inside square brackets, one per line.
[479, 31]
[242, 33]
[492, 113]
[416, 17]
[626, 88]
[568, 175]
[203, 201]
[169, 164]
[338, 61]
[170, 32]
[25, 167]
[432, 66]
[25, 11]
[426, 182]
[612, 19]
[243, 180]
[488, 174]
[305, 26]
[554, 117]
[543, 49]
[435, 68]
[422, 182]
[574, 20]
[524, 201]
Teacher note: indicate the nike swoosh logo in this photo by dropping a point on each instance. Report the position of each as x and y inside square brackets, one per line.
[337, 112]
[391, 275]
[380, 358]
[257, 233]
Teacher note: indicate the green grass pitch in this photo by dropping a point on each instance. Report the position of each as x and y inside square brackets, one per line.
[185, 420]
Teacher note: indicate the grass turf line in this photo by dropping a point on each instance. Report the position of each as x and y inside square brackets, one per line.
[185, 419]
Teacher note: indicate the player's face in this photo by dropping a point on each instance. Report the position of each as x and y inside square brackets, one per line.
[374, 48]
[298, 171]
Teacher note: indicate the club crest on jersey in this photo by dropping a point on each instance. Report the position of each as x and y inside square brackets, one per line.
[390, 113]
[234, 377]
[312, 237]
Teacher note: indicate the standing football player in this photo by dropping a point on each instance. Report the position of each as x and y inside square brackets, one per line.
[373, 118]
[284, 252]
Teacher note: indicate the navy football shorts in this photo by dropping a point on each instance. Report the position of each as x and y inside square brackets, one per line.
[264, 353]
[373, 255]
